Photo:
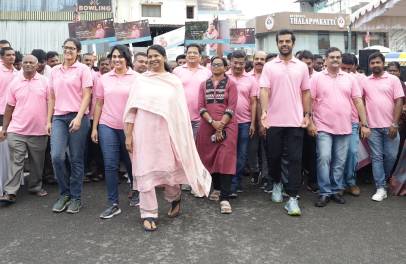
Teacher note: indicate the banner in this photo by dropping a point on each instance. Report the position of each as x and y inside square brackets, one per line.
[203, 32]
[171, 39]
[94, 5]
[217, 7]
[92, 32]
[132, 32]
[242, 38]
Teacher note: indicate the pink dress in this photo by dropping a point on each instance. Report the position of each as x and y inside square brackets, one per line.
[158, 164]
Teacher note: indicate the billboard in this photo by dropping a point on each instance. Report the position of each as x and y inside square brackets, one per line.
[94, 5]
[203, 32]
[242, 37]
[132, 32]
[92, 32]
[171, 39]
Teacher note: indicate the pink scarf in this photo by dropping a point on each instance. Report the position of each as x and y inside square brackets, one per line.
[163, 94]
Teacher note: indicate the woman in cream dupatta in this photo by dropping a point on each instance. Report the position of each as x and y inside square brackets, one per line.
[160, 140]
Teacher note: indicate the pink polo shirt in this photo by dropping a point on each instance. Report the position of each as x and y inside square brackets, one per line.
[332, 98]
[360, 78]
[247, 87]
[6, 76]
[114, 90]
[191, 81]
[380, 94]
[29, 97]
[286, 82]
[256, 77]
[68, 85]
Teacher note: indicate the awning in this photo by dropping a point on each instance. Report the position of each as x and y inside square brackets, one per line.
[380, 15]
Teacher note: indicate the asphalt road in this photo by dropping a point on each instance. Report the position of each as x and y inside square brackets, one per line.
[258, 231]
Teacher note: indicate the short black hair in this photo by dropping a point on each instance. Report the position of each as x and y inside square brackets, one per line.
[229, 56]
[19, 57]
[3, 41]
[306, 54]
[348, 58]
[51, 54]
[332, 49]
[270, 56]
[3, 50]
[317, 56]
[238, 54]
[220, 58]
[76, 42]
[143, 54]
[285, 32]
[199, 48]
[376, 55]
[125, 52]
[102, 59]
[180, 57]
[394, 63]
[87, 54]
[39, 54]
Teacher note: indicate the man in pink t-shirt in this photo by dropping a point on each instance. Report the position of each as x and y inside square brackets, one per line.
[25, 120]
[384, 101]
[286, 103]
[333, 91]
[192, 74]
[7, 73]
[245, 112]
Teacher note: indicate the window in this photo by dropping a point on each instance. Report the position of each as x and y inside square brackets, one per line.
[151, 10]
[190, 12]
[324, 42]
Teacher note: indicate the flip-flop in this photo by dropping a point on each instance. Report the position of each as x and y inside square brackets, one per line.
[152, 224]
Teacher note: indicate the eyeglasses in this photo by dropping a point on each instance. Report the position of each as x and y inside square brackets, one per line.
[68, 48]
[217, 64]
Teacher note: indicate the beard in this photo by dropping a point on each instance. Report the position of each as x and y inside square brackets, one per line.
[376, 70]
[289, 51]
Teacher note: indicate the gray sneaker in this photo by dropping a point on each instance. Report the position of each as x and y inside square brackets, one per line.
[277, 193]
[61, 204]
[74, 206]
[110, 212]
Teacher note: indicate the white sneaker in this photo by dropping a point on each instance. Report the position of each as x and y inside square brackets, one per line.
[380, 195]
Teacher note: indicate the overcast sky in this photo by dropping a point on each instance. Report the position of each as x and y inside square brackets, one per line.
[252, 8]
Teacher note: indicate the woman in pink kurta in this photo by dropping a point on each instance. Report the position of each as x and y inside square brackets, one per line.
[160, 140]
[217, 136]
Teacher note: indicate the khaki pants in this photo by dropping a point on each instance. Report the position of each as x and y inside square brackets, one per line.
[19, 146]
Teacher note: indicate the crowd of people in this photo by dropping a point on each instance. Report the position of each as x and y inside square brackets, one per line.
[291, 119]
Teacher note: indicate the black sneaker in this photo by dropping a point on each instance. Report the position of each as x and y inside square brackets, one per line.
[110, 212]
[233, 195]
[254, 178]
[135, 199]
[268, 188]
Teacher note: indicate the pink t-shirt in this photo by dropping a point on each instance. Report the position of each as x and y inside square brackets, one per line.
[29, 97]
[286, 82]
[6, 76]
[380, 94]
[332, 98]
[360, 78]
[114, 90]
[191, 81]
[68, 85]
[257, 77]
[247, 87]
[95, 76]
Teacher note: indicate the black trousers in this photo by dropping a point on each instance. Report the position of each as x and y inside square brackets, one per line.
[1, 120]
[309, 160]
[222, 182]
[290, 139]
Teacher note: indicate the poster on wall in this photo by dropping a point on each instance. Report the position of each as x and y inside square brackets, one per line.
[171, 39]
[242, 37]
[94, 5]
[203, 32]
[132, 32]
[92, 32]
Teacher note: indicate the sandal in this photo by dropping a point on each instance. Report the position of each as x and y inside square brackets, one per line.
[225, 207]
[41, 193]
[175, 209]
[149, 224]
[215, 195]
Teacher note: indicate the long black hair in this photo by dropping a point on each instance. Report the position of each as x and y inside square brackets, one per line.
[125, 52]
[161, 51]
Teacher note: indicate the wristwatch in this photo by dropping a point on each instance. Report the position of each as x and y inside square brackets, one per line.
[395, 125]
[210, 121]
[307, 113]
[364, 125]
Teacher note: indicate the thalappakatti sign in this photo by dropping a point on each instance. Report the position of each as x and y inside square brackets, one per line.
[302, 21]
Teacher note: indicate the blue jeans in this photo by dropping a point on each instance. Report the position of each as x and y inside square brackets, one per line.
[383, 154]
[331, 155]
[242, 150]
[112, 143]
[70, 182]
[350, 178]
